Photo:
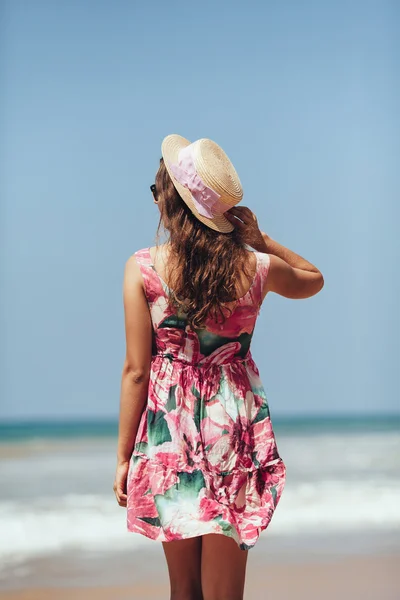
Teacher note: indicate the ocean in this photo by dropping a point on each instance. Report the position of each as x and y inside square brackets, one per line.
[56, 497]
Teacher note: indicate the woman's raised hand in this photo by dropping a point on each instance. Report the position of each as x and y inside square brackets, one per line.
[245, 220]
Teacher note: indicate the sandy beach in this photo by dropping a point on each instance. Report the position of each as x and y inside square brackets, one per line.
[350, 578]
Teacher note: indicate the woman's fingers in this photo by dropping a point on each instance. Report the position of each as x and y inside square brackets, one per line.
[244, 213]
[232, 218]
[121, 498]
[236, 210]
[120, 495]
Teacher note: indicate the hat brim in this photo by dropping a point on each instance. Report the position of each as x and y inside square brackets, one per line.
[170, 149]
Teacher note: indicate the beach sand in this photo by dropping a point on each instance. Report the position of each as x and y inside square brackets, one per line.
[347, 578]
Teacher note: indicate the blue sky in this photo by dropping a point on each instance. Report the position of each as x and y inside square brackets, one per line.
[304, 98]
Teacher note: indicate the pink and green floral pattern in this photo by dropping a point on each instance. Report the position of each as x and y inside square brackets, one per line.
[205, 458]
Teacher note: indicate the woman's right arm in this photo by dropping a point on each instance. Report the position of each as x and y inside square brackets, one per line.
[290, 274]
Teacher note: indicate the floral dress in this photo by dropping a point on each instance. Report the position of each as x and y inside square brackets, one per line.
[205, 459]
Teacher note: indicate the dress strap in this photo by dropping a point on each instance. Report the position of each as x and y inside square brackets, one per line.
[263, 263]
[143, 257]
[152, 284]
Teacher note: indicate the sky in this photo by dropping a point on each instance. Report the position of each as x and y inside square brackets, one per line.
[303, 97]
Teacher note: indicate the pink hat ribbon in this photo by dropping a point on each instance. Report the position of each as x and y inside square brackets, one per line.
[205, 199]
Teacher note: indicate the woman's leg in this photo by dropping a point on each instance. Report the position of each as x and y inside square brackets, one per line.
[223, 568]
[184, 568]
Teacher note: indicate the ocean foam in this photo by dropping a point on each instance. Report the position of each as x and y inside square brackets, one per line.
[88, 522]
[335, 483]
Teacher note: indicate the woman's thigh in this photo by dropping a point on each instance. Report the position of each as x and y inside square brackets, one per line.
[223, 568]
[184, 568]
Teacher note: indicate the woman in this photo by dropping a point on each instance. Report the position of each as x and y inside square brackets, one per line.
[198, 464]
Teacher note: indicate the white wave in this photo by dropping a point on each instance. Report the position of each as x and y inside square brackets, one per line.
[73, 522]
[89, 522]
[333, 506]
[335, 483]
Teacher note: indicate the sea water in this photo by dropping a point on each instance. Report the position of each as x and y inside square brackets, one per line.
[56, 485]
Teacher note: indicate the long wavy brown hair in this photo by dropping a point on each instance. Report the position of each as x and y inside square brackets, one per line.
[206, 264]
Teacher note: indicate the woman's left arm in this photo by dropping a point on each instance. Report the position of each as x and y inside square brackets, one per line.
[135, 373]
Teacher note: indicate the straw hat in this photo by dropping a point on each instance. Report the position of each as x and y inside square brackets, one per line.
[204, 177]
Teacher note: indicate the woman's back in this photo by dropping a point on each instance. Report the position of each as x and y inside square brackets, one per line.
[215, 341]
